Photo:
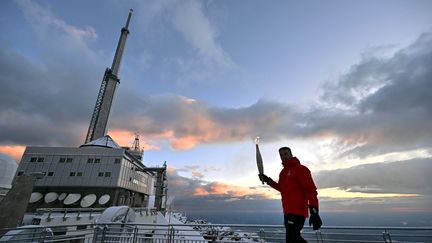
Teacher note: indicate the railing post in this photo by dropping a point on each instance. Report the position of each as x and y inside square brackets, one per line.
[42, 236]
[135, 234]
[95, 234]
[103, 233]
[171, 233]
[319, 236]
[386, 235]
[216, 235]
[261, 234]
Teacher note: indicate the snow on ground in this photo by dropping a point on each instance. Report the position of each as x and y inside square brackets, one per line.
[211, 232]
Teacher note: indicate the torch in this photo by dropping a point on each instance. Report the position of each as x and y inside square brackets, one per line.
[259, 158]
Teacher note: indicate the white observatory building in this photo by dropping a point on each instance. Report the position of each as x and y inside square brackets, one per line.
[99, 173]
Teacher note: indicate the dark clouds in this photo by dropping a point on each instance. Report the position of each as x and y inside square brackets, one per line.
[381, 105]
[401, 177]
[47, 96]
[39, 104]
[189, 119]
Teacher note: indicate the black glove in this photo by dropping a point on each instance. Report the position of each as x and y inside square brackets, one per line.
[314, 218]
[264, 178]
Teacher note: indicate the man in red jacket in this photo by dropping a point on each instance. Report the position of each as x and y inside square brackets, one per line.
[298, 192]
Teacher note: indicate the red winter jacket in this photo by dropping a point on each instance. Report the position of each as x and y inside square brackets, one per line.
[296, 187]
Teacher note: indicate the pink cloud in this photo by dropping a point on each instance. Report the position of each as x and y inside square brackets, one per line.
[126, 138]
[14, 151]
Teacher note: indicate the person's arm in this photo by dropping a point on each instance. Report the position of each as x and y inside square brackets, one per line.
[309, 187]
[273, 184]
[312, 196]
[269, 181]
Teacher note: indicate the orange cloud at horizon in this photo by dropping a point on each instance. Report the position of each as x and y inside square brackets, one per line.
[14, 151]
[336, 192]
[221, 189]
[199, 191]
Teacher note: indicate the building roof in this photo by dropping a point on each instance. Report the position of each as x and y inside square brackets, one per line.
[105, 141]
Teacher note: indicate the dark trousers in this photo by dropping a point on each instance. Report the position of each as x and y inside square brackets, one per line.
[293, 226]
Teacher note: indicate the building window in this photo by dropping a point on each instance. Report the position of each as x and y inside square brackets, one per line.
[107, 174]
[72, 174]
[62, 160]
[50, 173]
[90, 160]
[40, 159]
[33, 159]
[97, 160]
[79, 173]
[20, 173]
[117, 161]
[100, 174]
[69, 160]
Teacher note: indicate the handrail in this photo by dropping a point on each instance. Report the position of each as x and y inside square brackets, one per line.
[202, 233]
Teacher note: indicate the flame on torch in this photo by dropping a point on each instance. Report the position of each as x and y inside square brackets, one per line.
[257, 139]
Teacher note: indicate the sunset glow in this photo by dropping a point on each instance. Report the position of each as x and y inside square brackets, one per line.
[345, 84]
[15, 152]
[339, 193]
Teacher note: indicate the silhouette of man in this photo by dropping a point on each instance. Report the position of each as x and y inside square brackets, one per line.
[298, 192]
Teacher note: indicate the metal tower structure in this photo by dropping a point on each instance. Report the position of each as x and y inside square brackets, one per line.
[136, 143]
[99, 119]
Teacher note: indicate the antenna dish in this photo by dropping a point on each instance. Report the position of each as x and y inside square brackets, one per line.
[104, 199]
[88, 200]
[72, 198]
[35, 196]
[51, 197]
[62, 196]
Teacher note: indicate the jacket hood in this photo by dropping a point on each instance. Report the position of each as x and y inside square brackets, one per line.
[291, 162]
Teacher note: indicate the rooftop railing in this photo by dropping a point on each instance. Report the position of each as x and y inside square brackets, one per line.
[218, 233]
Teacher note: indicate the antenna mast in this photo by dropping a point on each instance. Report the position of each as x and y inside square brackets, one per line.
[136, 143]
[99, 119]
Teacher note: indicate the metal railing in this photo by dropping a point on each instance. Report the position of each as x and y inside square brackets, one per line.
[199, 233]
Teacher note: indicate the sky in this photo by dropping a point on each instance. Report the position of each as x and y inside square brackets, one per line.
[345, 84]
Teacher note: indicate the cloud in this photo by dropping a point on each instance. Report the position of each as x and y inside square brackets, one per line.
[187, 123]
[193, 28]
[214, 195]
[43, 18]
[359, 117]
[190, 20]
[197, 30]
[381, 105]
[42, 101]
[15, 152]
[400, 177]
[127, 138]
[377, 205]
